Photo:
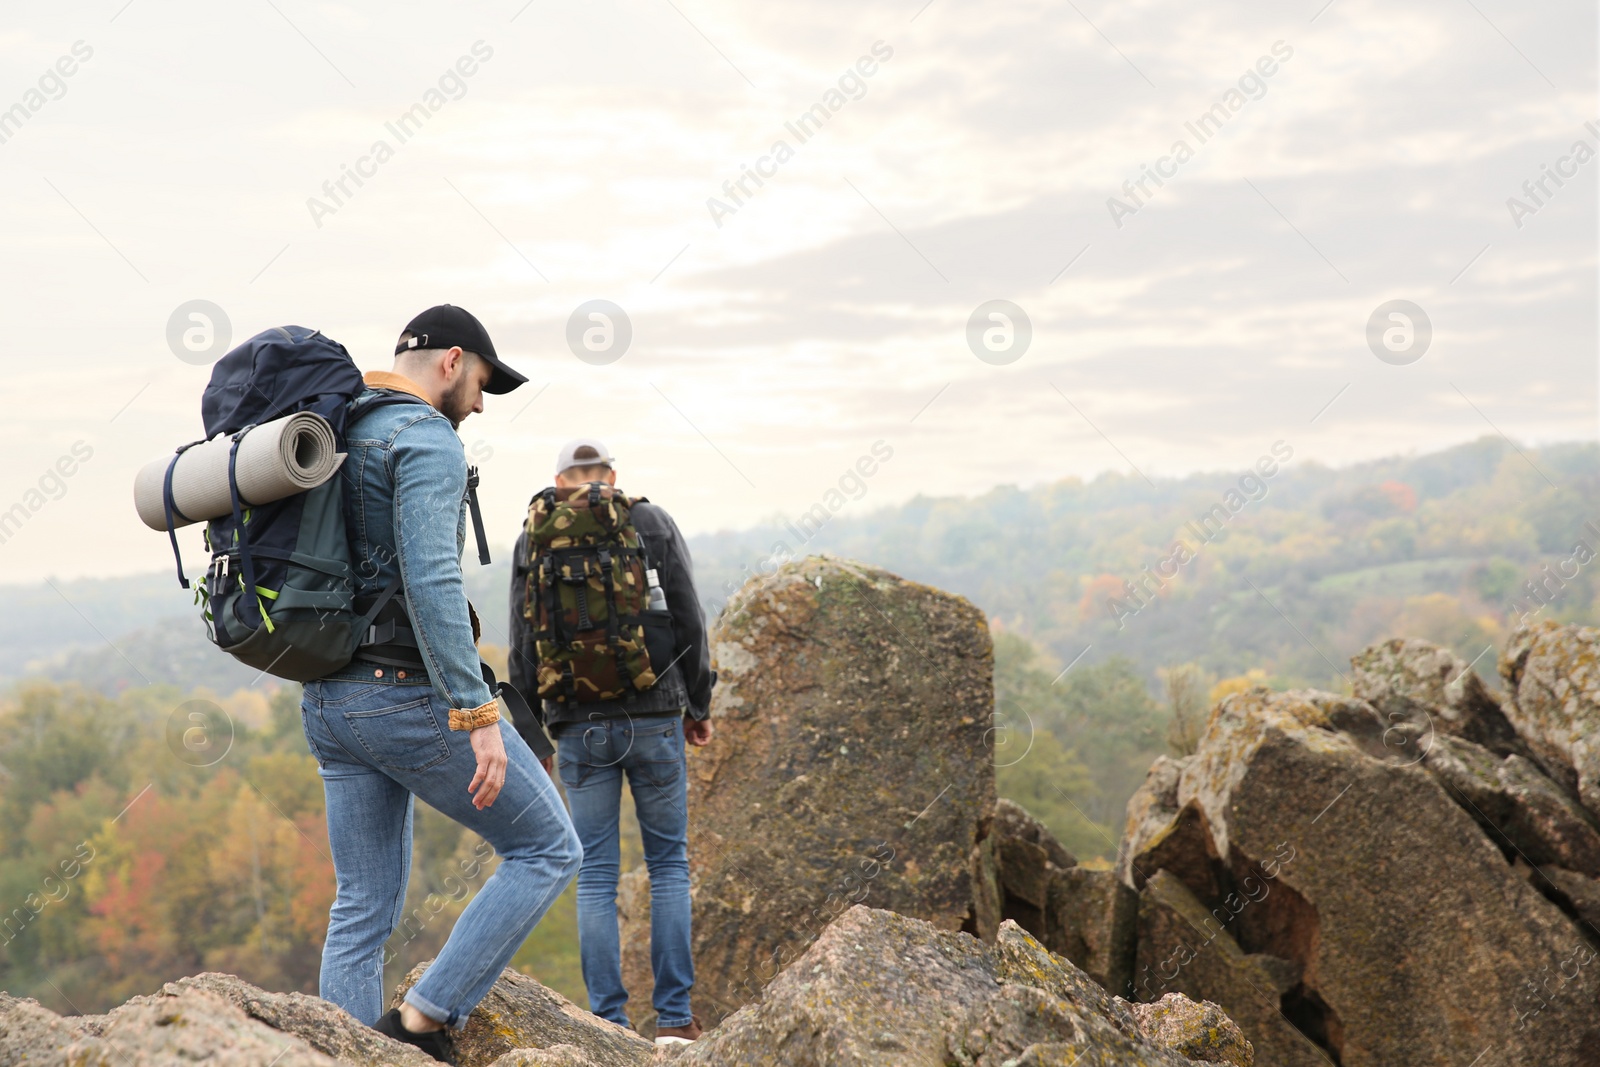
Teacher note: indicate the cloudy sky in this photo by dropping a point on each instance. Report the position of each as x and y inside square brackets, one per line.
[779, 330]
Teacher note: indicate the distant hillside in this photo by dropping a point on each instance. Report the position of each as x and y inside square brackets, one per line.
[1288, 572]
[1236, 570]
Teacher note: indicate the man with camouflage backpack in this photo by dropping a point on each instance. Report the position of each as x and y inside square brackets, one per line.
[607, 626]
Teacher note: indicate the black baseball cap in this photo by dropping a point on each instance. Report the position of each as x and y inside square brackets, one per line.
[447, 326]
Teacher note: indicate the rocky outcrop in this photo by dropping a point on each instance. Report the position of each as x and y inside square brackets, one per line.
[852, 763]
[1151, 811]
[1435, 709]
[879, 988]
[554, 1056]
[186, 1024]
[522, 1017]
[1200, 1032]
[1320, 868]
[1576, 894]
[1410, 875]
[1090, 919]
[1083, 914]
[1416, 681]
[326, 1028]
[1523, 811]
[31, 1033]
[875, 988]
[1553, 673]
[1183, 946]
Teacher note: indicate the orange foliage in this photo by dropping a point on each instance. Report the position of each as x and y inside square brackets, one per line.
[1401, 495]
[1095, 596]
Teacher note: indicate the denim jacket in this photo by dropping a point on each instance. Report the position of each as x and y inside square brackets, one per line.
[406, 482]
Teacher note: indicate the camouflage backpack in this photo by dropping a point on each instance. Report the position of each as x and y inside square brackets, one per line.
[587, 596]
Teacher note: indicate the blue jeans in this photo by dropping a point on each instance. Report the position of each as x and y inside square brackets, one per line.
[378, 743]
[593, 758]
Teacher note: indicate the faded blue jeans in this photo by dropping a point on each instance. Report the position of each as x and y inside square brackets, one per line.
[377, 744]
[593, 758]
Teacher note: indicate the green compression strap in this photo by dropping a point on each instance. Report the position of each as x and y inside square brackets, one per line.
[270, 594]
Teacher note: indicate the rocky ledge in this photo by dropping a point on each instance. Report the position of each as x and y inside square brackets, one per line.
[874, 988]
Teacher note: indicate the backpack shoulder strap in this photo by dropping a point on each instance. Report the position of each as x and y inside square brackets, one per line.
[384, 398]
[381, 398]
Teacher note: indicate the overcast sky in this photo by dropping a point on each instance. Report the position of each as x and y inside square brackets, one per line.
[779, 332]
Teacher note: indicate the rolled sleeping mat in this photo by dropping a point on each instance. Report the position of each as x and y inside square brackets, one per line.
[276, 460]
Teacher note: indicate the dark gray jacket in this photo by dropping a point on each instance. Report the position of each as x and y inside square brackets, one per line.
[686, 685]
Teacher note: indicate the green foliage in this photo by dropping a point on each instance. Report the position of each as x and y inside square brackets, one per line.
[1072, 745]
[1323, 564]
[126, 867]
[1054, 785]
[1188, 701]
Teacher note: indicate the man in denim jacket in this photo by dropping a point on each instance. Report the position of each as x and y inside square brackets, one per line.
[382, 734]
[641, 736]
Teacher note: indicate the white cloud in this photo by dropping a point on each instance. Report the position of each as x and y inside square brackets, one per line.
[819, 317]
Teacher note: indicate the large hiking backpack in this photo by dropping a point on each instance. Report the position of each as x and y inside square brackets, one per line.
[588, 594]
[279, 595]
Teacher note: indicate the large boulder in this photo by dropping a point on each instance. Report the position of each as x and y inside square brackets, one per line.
[1553, 672]
[852, 763]
[1083, 914]
[1026, 859]
[1090, 919]
[1183, 947]
[1200, 1032]
[324, 1026]
[1526, 813]
[1434, 708]
[224, 1020]
[518, 1013]
[879, 988]
[1408, 679]
[1576, 893]
[1344, 859]
[180, 1026]
[31, 1033]
[1151, 810]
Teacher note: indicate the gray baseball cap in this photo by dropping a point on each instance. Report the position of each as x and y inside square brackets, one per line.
[583, 452]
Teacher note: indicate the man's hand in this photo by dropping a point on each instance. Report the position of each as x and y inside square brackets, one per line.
[549, 763]
[696, 731]
[490, 749]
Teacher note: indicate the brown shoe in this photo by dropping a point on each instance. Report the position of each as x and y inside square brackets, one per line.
[680, 1035]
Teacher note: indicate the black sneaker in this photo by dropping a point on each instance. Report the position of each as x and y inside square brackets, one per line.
[436, 1043]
